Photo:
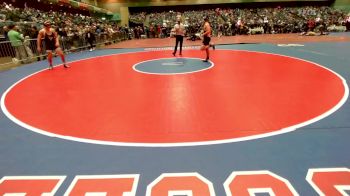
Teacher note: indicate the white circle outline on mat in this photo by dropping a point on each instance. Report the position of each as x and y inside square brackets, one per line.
[187, 72]
[179, 144]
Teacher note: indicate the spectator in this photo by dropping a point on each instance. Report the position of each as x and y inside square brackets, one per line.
[90, 37]
[6, 29]
[33, 34]
[347, 23]
[16, 40]
[2, 17]
[311, 24]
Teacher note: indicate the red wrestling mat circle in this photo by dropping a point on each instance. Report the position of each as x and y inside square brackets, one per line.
[246, 95]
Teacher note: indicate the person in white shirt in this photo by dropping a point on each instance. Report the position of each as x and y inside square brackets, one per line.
[179, 34]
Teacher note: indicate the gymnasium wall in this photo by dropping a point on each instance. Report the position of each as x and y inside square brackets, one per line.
[342, 4]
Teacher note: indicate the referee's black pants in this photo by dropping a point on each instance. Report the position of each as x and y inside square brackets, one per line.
[179, 39]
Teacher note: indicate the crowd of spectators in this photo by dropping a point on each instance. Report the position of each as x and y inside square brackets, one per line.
[72, 28]
[68, 25]
[232, 21]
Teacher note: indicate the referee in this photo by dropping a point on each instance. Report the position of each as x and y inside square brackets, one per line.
[179, 33]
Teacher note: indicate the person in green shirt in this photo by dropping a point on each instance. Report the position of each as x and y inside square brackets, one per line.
[16, 40]
[14, 36]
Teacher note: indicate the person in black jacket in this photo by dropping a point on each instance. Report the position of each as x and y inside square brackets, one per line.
[90, 37]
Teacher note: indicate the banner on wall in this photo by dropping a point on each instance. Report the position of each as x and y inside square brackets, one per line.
[74, 4]
[83, 6]
[64, 1]
[80, 5]
[116, 17]
[96, 9]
